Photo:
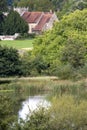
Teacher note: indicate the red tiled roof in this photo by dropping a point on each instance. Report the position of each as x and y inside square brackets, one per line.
[31, 17]
[45, 19]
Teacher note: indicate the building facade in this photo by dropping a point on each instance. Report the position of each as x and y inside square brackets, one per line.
[39, 22]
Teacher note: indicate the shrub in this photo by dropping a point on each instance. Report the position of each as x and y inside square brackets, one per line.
[26, 36]
[67, 114]
[9, 62]
[64, 114]
[65, 71]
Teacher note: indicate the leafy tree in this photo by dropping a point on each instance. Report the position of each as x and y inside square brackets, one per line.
[36, 5]
[58, 4]
[33, 65]
[2, 18]
[3, 5]
[17, 24]
[7, 115]
[62, 7]
[9, 62]
[53, 43]
[67, 6]
[74, 53]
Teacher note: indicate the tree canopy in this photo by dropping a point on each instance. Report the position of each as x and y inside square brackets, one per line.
[3, 5]
[36, 5]
[62, 7]
[3, 8]
[70, 34]
[17, 24]
[9, 62]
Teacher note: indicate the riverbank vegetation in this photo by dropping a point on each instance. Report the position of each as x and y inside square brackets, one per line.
[68, 104]
[65, 113]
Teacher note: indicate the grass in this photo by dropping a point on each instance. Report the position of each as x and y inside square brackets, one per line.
[6, 91]
[54, 85]
[18, 44]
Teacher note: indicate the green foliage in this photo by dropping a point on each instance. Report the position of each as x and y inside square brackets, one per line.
[25, 36]
[36, 5]
[1, 22]
[78, 90]
[83, 71]
[3, 8]
[65, 7]
[74, 53]
[65, 113]
[68, 114]
[33, 65]
[3, 5]
[62, 7]
[17, 24]
[7, 114]
[59, 46]
[9, 62]
[39, 120]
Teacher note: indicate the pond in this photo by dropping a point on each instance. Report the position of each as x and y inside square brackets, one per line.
[32, 103]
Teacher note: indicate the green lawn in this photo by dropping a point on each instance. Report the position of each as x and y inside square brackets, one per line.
[18, 44]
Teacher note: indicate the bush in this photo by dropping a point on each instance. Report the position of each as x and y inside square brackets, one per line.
[83, 71]
[26, 36]
[65, 114]
[65, 71]
[10, 64]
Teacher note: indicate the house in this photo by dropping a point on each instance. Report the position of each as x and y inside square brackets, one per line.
[39, 22]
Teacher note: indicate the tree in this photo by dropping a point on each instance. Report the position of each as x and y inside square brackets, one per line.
[36, 5]
[65, 7]
[33, 65]
[10, 64]
[3, 5]
[17, 24]
[53, 43]
[2, 18]
[74, 54]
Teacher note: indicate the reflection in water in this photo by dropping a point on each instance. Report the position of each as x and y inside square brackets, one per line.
[32, 103]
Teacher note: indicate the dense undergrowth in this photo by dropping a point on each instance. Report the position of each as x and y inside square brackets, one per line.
[68, 108]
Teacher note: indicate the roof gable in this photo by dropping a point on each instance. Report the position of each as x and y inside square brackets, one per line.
[31, 17]
[45, 19]
[39, 21]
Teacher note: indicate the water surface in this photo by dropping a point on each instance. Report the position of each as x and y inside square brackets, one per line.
[31, 104]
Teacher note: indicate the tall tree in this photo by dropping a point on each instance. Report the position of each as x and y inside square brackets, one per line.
[17, 24]
[2, 17]
[3, 5]
[53, 43]
[9, 62]
[36, 5]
